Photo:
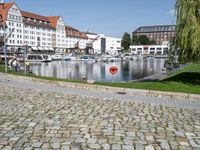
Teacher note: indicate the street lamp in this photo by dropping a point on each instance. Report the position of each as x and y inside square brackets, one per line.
[4, 34]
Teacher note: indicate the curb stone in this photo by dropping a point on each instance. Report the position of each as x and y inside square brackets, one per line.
[128, 91]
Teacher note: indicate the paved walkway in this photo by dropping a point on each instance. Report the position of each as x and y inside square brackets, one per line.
[172, 102]
[44, 116]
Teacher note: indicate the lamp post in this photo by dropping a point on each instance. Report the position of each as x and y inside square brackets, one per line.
[4, 35]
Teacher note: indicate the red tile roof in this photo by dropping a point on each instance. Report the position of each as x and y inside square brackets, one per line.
[53, 20]
[4, 8]
[34, 16]
[72, 32]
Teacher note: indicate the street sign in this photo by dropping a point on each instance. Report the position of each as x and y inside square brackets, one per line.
[113, 70]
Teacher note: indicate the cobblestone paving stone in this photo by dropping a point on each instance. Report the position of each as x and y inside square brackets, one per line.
[41, 120]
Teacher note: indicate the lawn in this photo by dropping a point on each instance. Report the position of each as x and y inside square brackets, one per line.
[186, 80]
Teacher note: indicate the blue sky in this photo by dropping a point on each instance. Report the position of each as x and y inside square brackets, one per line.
[110, 17]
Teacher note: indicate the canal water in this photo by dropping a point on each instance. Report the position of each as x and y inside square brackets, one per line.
[99, 71]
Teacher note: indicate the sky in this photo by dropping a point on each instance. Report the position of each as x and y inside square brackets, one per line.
[109, 17]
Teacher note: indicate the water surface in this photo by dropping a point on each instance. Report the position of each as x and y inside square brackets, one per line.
[127, 70]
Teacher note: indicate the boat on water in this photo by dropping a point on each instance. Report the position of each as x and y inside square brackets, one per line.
[87, 58]
[105, 58]
[56, 57]
[71, 58]
[38, 58]
[114, 59]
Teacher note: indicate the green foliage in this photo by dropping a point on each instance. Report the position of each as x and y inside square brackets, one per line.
[135, 40]
[126, 41]
[141, 40]
[188, 30]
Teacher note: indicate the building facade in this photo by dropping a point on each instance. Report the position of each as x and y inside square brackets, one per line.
[58, 37]
[75, 39]
[48, 34]
[158, 34]
[37, 33]
[149, 49]
[113, 45]
[103, 44]
[13, 21]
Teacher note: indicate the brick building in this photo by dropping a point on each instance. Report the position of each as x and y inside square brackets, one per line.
[157, 33]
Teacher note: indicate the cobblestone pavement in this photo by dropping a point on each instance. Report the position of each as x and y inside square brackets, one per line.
[38, 119]
[165, 101]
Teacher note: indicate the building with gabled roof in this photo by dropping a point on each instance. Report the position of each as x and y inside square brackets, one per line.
[75, 39]
[59, 37]
[12, 19]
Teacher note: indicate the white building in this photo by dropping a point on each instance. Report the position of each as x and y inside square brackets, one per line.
[149, 49]
[103, 44]
[58, 37]
[75, 39]
[113, 45]
[12, 18]
[48, 34]
[40, 33]
[37, 32]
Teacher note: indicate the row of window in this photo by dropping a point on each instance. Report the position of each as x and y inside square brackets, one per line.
[19, 36]
[151, 49]
[61, 45]
[15, 42]
[14, 17]
[13, 24]
[38, 28]
[158, 28]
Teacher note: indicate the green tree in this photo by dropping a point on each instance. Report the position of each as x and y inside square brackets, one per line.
[187, 41]
[126, 41]
[134, 40]
[142, 40]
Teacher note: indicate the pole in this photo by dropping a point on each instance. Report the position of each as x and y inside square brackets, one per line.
[4, 39]
[25, 50]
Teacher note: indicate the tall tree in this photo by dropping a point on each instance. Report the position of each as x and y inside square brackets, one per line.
[142, 40]
[134, 40]
[126, 41]
[187, 41]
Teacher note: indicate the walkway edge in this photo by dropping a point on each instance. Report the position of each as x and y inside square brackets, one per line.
[119, 90]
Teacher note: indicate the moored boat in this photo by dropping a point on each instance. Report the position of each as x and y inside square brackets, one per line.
[38, 58]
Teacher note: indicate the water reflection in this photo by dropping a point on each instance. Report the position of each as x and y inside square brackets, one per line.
[130, 70]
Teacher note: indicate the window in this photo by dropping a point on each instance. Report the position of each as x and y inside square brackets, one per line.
[159, 48]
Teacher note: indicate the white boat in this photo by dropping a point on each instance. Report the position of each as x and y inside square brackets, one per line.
[38, 58]
[114, 59]
[105, 58]
[75, 58]
[87, 58]
[66, 58]
[56, 57]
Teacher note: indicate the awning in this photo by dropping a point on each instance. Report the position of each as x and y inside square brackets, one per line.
[40, 48]
[46, 48]
[34, 48]
[51, 49]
